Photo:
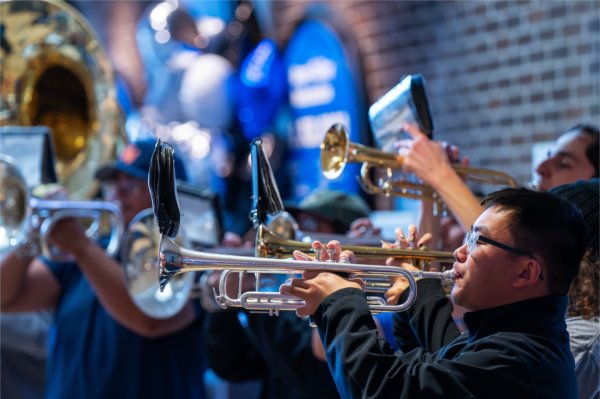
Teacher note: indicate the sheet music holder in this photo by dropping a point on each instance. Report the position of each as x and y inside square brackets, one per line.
[32, 148]
[201, 216]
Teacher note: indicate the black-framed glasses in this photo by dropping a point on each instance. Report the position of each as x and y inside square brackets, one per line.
[472, 237]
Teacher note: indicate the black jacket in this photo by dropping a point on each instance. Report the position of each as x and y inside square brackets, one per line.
[520, 350]
[428, 324]
[275, 349]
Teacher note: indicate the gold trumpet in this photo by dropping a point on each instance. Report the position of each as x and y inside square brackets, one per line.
[271, 245]
[174, 260]
[337, 151]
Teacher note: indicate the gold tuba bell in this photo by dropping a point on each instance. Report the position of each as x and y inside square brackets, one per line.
[337, 151]
[55, 73]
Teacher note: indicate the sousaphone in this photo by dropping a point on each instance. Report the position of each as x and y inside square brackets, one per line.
[55, 73]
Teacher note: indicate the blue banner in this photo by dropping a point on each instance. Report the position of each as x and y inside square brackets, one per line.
[322, 91]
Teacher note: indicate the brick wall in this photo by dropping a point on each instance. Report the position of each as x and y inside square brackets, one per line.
[501, 75]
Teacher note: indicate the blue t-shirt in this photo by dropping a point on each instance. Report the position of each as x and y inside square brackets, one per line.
[92, 356]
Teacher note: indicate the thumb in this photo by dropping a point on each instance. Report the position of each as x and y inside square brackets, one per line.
[359, 281]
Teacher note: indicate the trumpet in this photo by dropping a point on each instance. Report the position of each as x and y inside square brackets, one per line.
[271, 245]
[26, 219]
[174, 260]
[337, 151]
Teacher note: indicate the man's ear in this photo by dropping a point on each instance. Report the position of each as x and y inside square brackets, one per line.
[529, 273]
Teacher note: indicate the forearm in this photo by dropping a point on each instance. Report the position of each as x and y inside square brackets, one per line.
[458, 197]
[13, 272]
[105, 275]
[429, 222]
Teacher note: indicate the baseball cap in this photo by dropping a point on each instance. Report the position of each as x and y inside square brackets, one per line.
[135, 160]
[336, 206]
[585, 194]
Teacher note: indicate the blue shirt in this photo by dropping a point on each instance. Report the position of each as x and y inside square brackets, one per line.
[92, 356]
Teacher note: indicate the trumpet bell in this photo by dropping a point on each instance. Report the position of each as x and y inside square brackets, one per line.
[334, 152]
[140, 252]
[14, 212]
[337, 151]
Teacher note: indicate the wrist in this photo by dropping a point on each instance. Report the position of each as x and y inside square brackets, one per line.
[443, 175]
[83, 248]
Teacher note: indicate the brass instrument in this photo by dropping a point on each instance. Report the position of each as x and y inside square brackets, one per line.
[175, 260]
[139, 255]
[55, 73]
[26, 219]
[271, 245]
[337, 151]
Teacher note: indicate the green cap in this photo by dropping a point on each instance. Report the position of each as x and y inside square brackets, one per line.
[337, 206]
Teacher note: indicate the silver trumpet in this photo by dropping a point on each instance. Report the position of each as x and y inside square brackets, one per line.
[26, 219]
[174, 260]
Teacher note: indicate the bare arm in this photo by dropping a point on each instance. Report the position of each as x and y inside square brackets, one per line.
[26, 284]
[429, 161]
[106, 277]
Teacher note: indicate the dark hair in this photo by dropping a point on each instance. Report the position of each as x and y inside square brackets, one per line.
[548, 226]
[592, 152]
[583, 294]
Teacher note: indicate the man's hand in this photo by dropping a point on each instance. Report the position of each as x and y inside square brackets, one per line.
[399, 284]
[429, 160]
[314, 286]
[68, 236]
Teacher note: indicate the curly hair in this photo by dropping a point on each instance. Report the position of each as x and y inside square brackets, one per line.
[583, 293]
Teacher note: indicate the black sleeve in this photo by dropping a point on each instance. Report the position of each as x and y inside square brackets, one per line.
[364, 368]
[285, 343]
[231, 353]
[427, 324]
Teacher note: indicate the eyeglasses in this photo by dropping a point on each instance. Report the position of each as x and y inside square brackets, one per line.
[473, 237]
[112, 188]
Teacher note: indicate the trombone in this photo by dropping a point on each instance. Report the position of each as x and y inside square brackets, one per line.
[337, 151]
[174, 260]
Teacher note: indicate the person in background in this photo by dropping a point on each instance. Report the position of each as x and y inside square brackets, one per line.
[101, 344]
[583, 322]
[575, 156]
[512, 274]
[330, 212]
[282, 351]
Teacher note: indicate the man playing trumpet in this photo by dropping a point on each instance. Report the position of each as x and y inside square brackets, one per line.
[512, 274]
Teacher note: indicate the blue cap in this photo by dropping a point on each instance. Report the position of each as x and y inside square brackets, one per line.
[134, 161]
